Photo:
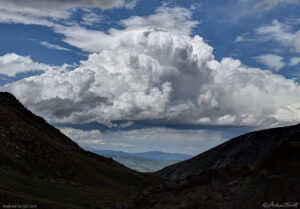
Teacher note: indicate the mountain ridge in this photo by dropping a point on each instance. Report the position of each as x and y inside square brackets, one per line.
[247, 149]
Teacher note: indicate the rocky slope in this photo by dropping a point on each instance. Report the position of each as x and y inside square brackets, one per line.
[273, 181]
[38, 164]
[245, 150]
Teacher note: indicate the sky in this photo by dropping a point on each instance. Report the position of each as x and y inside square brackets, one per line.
[147, 75]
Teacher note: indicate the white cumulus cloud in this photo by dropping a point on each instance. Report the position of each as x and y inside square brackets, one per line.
[12, 64]
[159, 72]
[174, 20]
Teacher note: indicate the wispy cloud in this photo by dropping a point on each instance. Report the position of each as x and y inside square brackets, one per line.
[295, 61]
[270, 4]
[90, 18]
[53, 46]
[272, 61]
[49, 11]
[58, 47]
[241, 38]
[54, 8]
[281, 33]
[131, 4]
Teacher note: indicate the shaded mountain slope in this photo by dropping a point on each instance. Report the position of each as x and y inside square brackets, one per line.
[39, 164]
[275, 180]
[248, 149]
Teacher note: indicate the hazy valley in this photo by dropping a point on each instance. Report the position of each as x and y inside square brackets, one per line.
[143, 162]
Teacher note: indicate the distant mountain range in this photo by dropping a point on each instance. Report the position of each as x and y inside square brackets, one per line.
[143, 162]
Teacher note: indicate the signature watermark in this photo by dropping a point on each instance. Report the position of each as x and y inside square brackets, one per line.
[280, 205]
[18, 206]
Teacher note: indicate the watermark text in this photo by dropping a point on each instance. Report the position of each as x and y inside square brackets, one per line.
[280, 205]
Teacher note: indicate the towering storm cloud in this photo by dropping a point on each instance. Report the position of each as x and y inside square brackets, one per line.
[151, 72]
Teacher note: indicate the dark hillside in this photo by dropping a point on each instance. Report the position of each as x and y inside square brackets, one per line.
[245, 150]
[274, 180]
[39, 164]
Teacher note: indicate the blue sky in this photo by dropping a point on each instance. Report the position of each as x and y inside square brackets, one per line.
[140, 75]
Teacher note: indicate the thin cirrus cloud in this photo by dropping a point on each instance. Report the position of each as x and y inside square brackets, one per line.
[53, 46]
[58, 47]
[47, 12]
[54, 8]
[281, 33]
[151, 71]
[270, 4]
[90, 18]
[8, 16]
[235, 11]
